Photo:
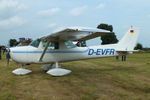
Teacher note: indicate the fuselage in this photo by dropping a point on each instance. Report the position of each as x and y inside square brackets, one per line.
[30, 54]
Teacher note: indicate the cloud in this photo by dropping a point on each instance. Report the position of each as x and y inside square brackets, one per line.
[78, 11]
[49, 12]
[11, 22]
[9, 8]
[8, 13]
[100, 6]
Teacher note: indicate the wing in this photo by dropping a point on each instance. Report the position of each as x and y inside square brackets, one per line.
[72, 34]
[75, 33]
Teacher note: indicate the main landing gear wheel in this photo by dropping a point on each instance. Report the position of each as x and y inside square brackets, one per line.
[21, 71]
[58, 71]
[47, 67]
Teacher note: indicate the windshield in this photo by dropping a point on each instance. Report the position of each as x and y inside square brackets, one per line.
[35, 43]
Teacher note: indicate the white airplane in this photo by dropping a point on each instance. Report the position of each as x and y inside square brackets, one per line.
[58, 47]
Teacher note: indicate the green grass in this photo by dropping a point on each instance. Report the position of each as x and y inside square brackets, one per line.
[94, 79]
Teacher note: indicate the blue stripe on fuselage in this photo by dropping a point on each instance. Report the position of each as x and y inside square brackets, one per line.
[50, 51]
[91, 51]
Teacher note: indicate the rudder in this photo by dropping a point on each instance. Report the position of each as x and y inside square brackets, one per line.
[128, 42]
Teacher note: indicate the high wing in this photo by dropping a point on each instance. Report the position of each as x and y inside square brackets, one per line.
[75, 33]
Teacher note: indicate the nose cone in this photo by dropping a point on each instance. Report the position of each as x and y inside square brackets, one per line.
[18, 54]
[10, 54]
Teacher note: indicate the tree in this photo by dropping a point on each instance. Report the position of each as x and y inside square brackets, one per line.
[13, 42]
[105, 27]
[110, 28]
[138, 46]
[108, 38]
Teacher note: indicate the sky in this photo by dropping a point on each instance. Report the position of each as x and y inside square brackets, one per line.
[37, 18]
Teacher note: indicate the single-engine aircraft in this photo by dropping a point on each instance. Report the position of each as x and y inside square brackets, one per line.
[59, 47]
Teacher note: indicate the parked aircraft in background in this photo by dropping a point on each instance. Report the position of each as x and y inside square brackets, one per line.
[58, 47]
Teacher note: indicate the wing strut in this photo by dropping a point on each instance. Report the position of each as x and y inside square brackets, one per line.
[44, 51]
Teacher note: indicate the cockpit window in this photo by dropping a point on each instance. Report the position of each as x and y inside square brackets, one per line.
[35, 43]
[50, 47]
[69, 44]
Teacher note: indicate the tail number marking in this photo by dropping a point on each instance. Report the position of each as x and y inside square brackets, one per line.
[101, 52]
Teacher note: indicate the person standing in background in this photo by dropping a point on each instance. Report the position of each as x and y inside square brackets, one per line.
[8, 56]
[117, 57]
[4, 50]
[124, 58]
[0, 53]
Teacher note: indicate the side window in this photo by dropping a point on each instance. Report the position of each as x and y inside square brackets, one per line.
[81, 44]
[69, 44]
[52, 45]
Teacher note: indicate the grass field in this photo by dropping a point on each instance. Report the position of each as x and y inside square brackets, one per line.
[95, 79]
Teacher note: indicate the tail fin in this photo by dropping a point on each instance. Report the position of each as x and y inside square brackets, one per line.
[128, 42]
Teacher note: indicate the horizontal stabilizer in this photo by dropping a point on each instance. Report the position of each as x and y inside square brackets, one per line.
[125, 52]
